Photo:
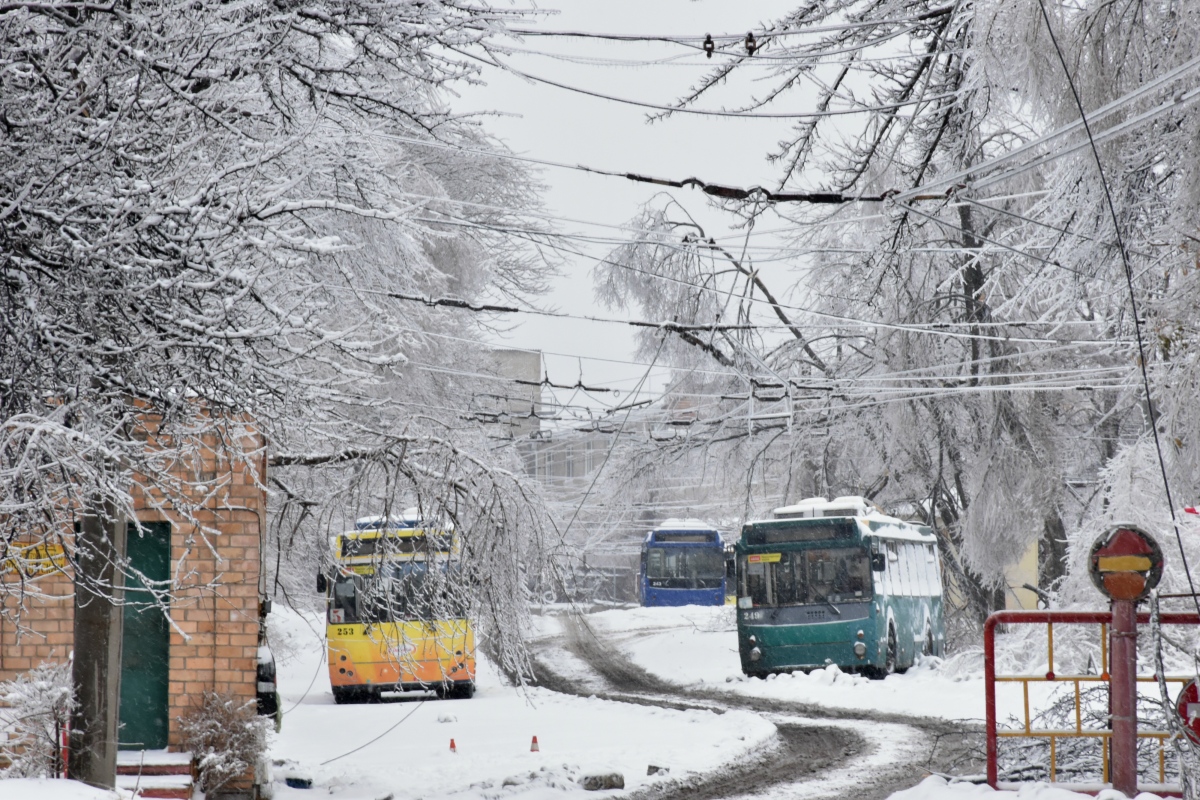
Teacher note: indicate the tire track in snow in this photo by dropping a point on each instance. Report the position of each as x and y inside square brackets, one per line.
[820, 752]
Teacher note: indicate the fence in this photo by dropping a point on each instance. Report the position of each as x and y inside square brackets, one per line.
[1050, 618]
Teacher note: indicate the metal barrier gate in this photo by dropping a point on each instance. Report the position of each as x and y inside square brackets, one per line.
[1049, 618]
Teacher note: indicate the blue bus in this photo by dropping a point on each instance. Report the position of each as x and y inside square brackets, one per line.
[683, 564]
[837, 582]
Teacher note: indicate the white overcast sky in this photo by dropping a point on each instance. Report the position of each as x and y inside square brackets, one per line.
[550, 123]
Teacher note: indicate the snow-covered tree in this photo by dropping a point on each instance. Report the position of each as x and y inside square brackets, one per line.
[963, 342]
[214, 213]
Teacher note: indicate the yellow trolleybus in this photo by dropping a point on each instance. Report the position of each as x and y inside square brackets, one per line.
[396, 612]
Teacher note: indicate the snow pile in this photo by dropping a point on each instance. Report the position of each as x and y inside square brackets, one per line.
[937, 788]
[50, 789]
[36, 710]
[696, 646]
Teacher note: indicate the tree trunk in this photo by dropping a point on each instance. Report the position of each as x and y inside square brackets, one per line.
[96, 670]
[1052, 552]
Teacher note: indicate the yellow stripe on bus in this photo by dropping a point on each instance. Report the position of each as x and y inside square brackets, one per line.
[1124, 563]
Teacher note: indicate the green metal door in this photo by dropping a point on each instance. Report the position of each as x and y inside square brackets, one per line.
[146, 640]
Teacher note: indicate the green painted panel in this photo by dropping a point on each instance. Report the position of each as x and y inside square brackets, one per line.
[145, 644]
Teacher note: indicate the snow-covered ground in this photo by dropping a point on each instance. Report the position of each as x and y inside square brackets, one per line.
[935, 788]
[402, 748]
[47, 789]
[696, 646]
[407, 744]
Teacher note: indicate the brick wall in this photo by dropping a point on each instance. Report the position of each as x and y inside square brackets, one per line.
[217, 511]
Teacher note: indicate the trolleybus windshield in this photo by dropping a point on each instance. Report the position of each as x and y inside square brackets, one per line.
[374, 544]
[398, 593]
[685, 567]
[799, 577]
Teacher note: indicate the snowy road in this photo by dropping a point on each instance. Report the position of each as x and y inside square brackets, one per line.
[819, 752]
[627, 689]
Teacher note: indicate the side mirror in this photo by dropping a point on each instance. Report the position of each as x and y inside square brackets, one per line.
[322, 584]
[878, 562]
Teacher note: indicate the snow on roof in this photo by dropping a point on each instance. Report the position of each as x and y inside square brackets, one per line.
[854, 506]
[684, 525]
[410, 518]
[851, 503]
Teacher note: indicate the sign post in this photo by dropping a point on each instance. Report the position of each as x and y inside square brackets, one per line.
[1125, 564]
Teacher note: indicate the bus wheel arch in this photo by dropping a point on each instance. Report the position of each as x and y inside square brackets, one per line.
[889, 657]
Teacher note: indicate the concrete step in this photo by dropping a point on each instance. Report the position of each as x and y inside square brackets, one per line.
[171, 787]
[153, 762]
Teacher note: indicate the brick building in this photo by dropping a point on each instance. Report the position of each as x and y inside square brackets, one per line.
[198, 544]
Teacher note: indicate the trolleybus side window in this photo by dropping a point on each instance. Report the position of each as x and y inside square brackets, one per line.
[923, 557]
[935, 578]
[915, 568]
[924, 567]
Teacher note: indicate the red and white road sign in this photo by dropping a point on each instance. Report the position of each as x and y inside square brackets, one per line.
[1188, 706]
[1125, 563]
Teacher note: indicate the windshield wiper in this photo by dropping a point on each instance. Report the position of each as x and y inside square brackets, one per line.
[829, 603]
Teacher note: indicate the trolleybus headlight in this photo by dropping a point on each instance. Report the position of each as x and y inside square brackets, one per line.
[860, 649]
[755, 654]
[753, 639]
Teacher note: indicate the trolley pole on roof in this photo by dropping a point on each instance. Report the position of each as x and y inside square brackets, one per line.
[1125, 564]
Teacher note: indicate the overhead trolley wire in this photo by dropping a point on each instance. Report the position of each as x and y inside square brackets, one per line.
[837, 112]
[943, 329]
[733, 37]
[689, 60]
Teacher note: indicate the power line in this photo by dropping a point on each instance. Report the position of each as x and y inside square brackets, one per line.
[838, 112]
[733, 38]
[377, 738]
[946, 329]
[970, 174]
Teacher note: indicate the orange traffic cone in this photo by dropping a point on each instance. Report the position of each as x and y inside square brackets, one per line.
[453, 749]
[533, 748]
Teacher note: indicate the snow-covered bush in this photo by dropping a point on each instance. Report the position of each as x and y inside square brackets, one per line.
[225, 736]
[37, 709]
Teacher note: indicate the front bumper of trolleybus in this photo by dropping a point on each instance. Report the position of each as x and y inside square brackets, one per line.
[683, 597]
[401, 656]
[786, 638]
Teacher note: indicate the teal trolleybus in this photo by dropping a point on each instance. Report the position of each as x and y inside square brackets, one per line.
[837, 582]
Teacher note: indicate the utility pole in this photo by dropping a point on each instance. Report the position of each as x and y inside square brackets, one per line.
[1125, 564]
[96, 668]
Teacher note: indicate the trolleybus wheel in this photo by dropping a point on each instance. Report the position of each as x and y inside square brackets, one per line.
[463, 691]
[889, 664]
[347, 695]
[894, 654]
